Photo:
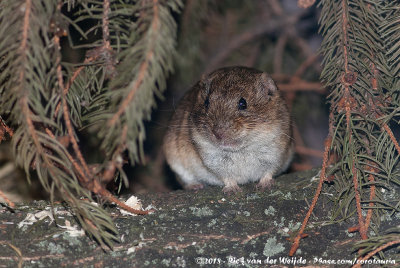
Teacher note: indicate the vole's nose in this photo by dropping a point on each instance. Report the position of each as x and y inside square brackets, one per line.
[218, 133]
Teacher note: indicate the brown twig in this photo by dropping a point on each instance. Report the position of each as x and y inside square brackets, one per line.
[97, 188]
[322, 178]
[109, 172]
[371, 197]
[72, 79]
[19, 253]
[72, 138]
[392, 138]
[6, 128]
[347, 80]
[24, 39]
[71, 159]
[8, 201]
[67, 120]
[77, 72]
[372, 253]
[105, 24]
[106, 194]
[362, 230]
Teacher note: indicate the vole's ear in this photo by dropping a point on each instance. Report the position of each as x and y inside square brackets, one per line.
[266, 85]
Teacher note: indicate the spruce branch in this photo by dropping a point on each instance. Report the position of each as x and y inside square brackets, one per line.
[152, 61]
[45, 112]
[37, 148]
[361, 141]
[86, 176]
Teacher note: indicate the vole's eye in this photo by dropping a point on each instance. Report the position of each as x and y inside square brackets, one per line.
[242, 105]
[207, 103]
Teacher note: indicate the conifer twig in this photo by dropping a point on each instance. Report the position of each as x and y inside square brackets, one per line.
[24, 99]
[67, 120]
[322, 178]
[111, 198]
[8, 201]
[6, 128]
[142, 70]
[371, 197]
[347, 81]
[372, 253]
[86, 177]
[71, 159]
[361, 226]
[392, 138]
[73, 77]
[24, 39]
[105, 21]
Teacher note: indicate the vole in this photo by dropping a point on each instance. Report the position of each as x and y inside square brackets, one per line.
[230, 128]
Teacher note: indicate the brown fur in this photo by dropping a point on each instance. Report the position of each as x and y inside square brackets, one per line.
[208, 123]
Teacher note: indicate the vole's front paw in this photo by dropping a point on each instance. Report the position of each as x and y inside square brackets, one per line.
[265, 183]
[194, 187]
[231, 189]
